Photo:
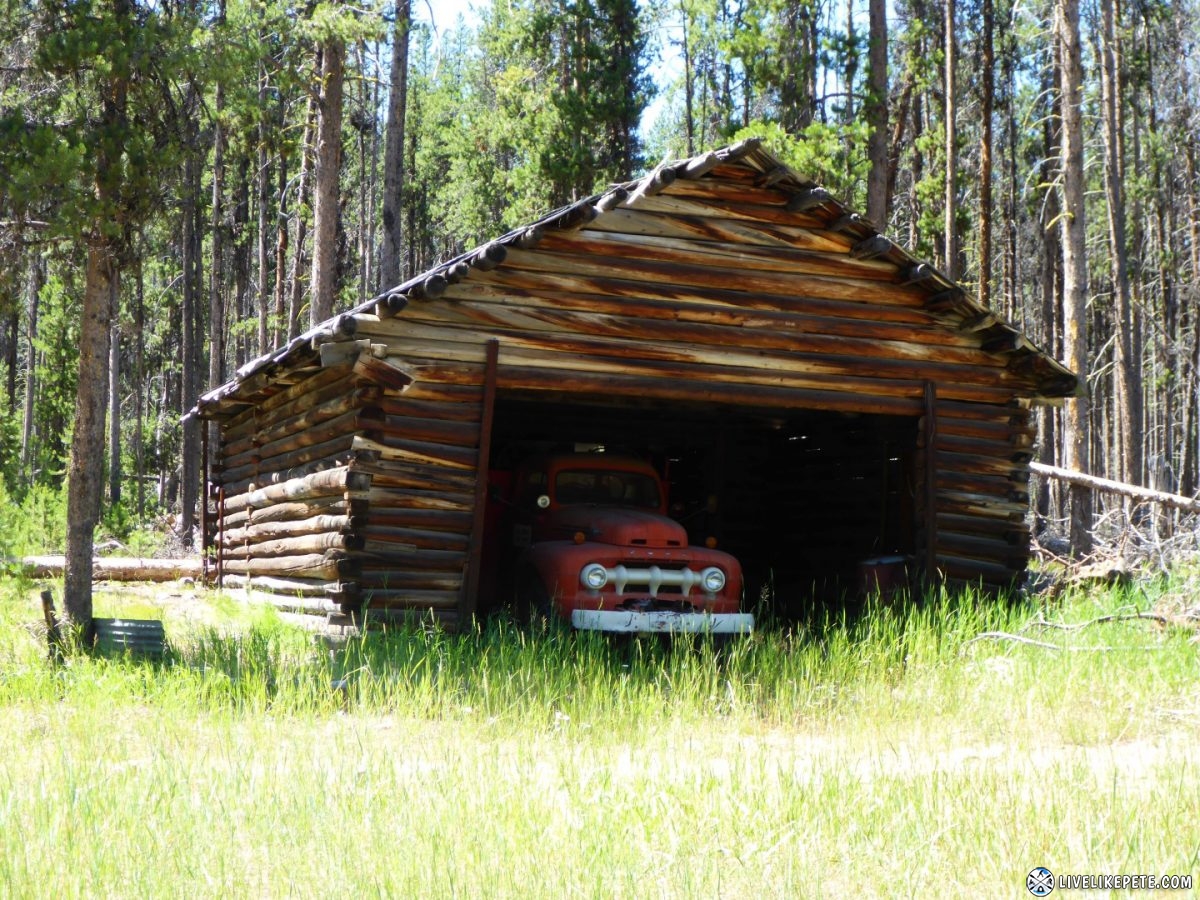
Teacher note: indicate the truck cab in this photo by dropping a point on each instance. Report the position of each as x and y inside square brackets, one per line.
[596, 548]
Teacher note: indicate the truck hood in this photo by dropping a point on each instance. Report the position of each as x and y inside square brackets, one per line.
[621, 526]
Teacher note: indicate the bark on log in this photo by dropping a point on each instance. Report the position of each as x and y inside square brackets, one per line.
[266, 531]
[112, 568]
[293, 546]
[1105, 485]
[302, 509]
[331, 482]
[300, 587]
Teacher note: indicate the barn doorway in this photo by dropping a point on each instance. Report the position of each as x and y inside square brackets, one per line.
[801, 497]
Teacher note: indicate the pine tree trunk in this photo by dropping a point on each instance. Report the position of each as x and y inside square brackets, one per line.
[1076, 432]
[985, 157]
[36, 279]
[878, 199]
[950, 237]
[393, 155]
[85, 472]
[139, 381]
[325, 188]
[189, 450]
[262, 180]
[302, 191]
[1129, 387]
[114, 404]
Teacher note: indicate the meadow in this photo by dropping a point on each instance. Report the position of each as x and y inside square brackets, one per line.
[889, 755]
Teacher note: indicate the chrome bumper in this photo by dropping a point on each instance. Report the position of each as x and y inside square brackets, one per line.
[620, 620]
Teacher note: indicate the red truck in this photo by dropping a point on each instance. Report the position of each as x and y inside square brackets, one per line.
[596, 548]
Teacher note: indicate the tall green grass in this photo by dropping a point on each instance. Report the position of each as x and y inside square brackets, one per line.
[873, 755]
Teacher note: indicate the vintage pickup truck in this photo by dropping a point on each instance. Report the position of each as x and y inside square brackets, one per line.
[596, 548]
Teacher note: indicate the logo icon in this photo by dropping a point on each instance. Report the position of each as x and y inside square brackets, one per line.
[1040, 882]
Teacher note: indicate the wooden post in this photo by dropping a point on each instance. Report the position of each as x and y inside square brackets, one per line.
[205, 481]
[469, 602]
[930, 483]
[221, 531]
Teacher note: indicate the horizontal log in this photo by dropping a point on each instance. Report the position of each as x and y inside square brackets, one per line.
[303, 436]
[424, 347]
[973, 570]
[316, 388]
[272, 530]
[294, 603]
[301, 587]
[743, 394]
[423, 539]
[291, 546]
[1016, 533]
[994, 412]
[708, 304]
[380, 372]
[423, 452]
[416, 498]
[301, 509]
[375, 573]
[794, 336]
[710, 253]
[430, 409]
[424, 579]
[441, 431]
[410, 599]
[426, 390]
[331, 565]
[432, 519]
[753, 213]
[1120, 488]
[331, 482]
[982, 547]
[799, 234]
[113, 568]
[314, 412]
[337, 450]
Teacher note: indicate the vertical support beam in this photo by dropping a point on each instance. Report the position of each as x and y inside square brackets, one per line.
[469, 601]
[930, 440]
[221, 534]
[205, 481]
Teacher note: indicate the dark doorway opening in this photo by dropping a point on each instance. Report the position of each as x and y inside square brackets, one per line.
[803, 498]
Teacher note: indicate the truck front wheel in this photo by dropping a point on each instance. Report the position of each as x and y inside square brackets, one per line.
[531, 601]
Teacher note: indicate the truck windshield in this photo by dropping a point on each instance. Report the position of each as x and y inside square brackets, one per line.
[606, 488]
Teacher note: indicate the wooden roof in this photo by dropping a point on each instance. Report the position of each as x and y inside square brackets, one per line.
[769, 213]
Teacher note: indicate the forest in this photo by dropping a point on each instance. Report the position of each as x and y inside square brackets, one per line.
[185, 185]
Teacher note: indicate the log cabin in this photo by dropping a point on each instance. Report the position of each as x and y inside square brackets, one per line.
[817, 399]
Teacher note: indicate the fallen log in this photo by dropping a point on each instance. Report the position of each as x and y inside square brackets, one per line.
[1105, 485]
[115, 568]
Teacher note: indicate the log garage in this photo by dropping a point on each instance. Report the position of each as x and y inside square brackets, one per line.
[815, 397]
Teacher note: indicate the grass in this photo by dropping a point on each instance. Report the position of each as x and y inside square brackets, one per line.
[885, 756]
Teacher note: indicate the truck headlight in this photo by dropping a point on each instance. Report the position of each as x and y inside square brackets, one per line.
[712, 579]
[594, 576]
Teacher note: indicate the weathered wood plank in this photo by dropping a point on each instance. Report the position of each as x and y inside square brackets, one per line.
[712, 254]
[320, 386]
[331, 565]
[602, 271]
[290, 546]
[462, 319]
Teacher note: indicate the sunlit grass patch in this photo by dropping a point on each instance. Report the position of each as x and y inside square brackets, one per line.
[870, 755]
